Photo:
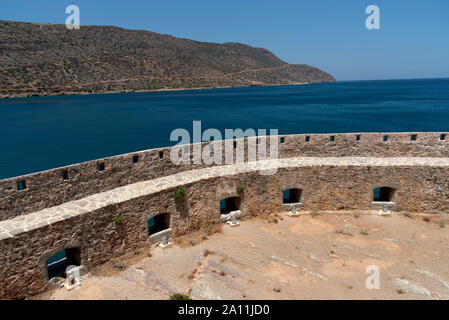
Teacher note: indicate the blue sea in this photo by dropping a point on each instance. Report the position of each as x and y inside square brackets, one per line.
[46, 132]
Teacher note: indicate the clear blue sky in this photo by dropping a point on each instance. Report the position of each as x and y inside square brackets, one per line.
[330, 34]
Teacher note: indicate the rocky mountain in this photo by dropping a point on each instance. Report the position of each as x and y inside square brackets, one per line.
[47, 59]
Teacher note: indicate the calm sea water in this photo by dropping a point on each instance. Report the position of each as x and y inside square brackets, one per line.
[46, 132]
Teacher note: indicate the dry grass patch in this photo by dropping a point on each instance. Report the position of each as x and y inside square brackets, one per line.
[364, 232]
[273, 220]
[118, 264]
[314, 212]
[343, 232]
[195, 237]
[192, 274]
[407, 215]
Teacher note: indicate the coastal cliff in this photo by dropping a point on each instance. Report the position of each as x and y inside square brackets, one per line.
[46, 59]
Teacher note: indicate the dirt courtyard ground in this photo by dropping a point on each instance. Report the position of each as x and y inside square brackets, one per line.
[279, 257]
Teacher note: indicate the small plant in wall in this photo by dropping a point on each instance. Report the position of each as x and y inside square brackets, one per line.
[118, 219]
[179, 193]
[240, 189]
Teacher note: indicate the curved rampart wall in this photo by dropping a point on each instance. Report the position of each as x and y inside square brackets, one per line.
[421, 184]
[48, 188]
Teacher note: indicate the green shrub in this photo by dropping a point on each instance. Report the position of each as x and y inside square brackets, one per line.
[118, 218]
[179, 193]
[240, 189]
[180, 296]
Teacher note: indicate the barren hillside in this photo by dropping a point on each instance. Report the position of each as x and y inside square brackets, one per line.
[46, 59]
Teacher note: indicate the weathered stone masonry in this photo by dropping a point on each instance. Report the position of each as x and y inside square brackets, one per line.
[46, 189]
[339, 175]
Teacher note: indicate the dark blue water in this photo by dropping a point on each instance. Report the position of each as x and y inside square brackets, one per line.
[46, 132]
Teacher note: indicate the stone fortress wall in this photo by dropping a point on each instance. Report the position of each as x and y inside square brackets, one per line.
[332, 171]
[49, 188]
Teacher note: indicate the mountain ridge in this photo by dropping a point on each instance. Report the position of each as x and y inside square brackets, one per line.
[47, 59]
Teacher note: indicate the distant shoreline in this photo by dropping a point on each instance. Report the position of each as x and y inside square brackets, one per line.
[82, 93]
